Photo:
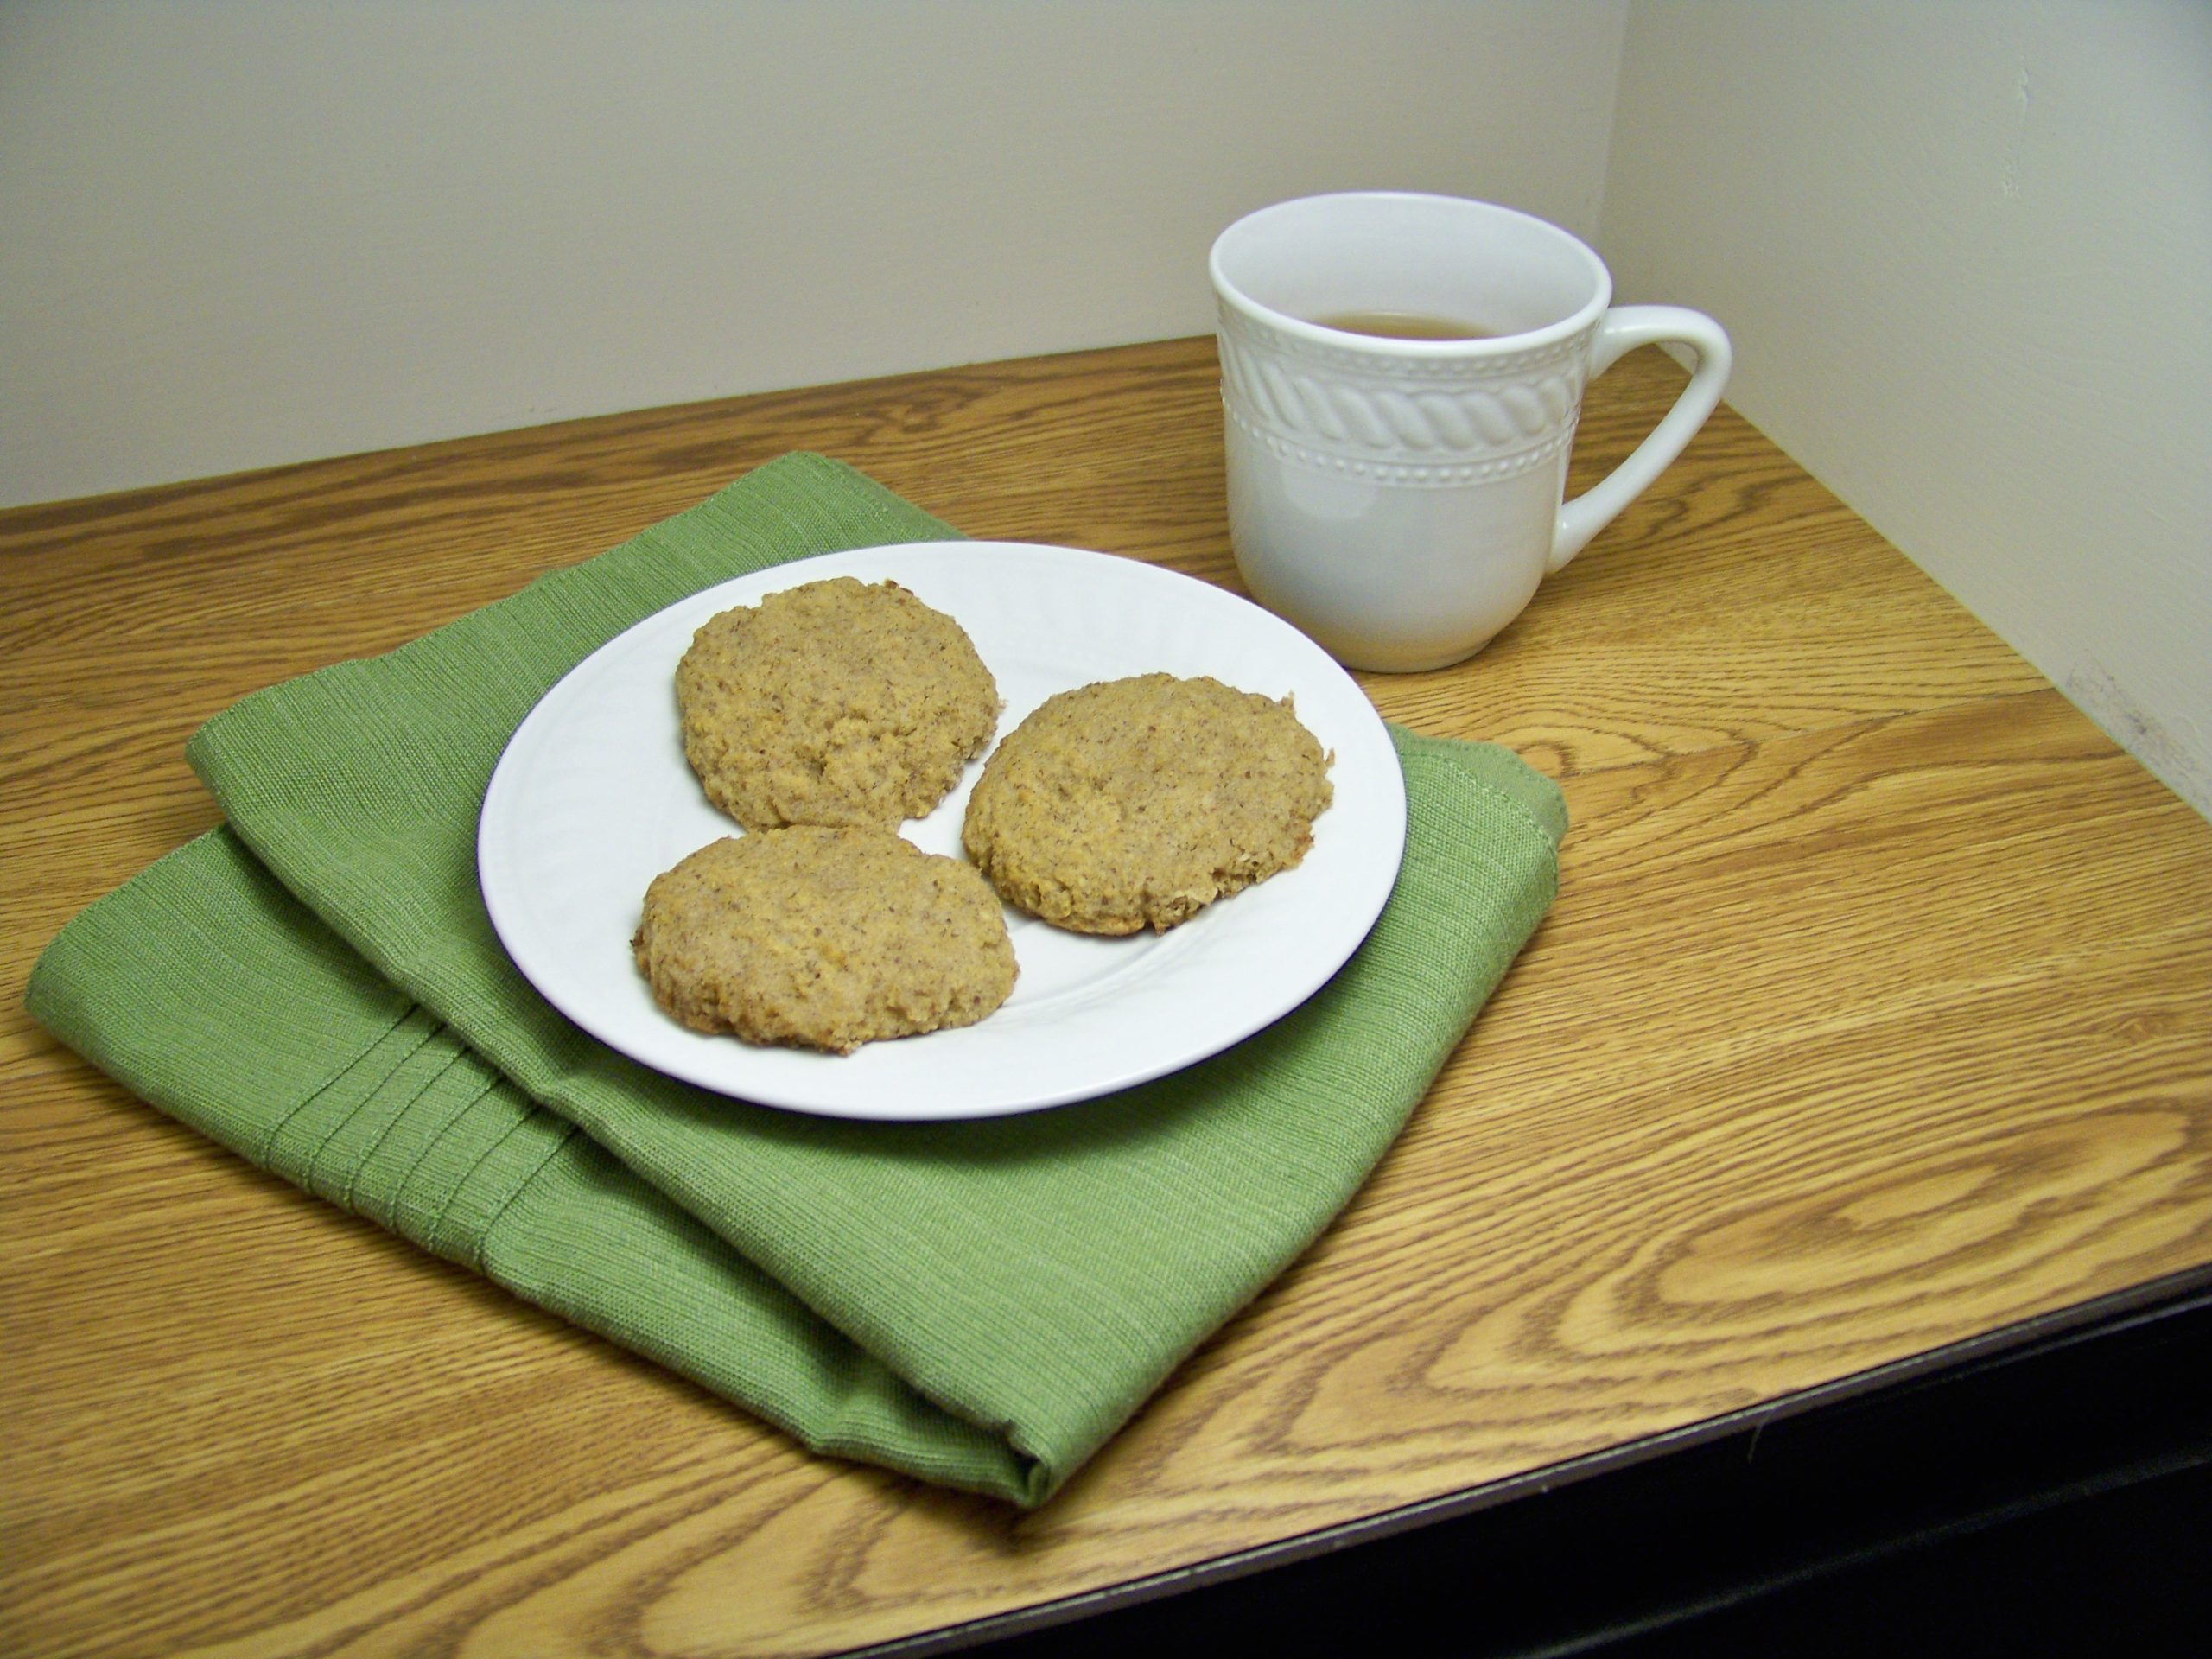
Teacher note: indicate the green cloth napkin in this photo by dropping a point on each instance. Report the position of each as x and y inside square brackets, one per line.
[317, 986]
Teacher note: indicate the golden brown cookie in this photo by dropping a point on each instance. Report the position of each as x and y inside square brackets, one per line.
[834, 702]
[1136, 803]
[823, 938]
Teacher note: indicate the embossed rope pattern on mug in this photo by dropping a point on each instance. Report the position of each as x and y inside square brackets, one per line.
[1383, 471]
[1376, 415]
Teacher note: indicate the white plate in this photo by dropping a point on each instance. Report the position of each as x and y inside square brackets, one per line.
[593, 798]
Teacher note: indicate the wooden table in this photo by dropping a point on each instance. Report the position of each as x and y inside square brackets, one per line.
[1874, 1016]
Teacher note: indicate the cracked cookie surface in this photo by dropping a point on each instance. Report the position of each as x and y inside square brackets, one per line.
[1135, 803]
[835, 703]
[823, 938]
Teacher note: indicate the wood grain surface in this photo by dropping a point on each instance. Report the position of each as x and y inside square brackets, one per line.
[1875, 1015]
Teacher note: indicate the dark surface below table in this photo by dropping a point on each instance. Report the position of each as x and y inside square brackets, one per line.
[2055, 1497]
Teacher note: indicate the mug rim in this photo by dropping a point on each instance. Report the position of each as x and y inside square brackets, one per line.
[1491, 346]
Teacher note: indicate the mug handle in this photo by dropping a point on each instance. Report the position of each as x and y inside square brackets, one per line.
[1620, 331]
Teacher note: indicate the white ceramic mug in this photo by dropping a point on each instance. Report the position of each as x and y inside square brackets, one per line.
[1400, 498]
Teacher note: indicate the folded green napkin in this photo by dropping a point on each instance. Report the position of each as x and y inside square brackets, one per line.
[317, 986]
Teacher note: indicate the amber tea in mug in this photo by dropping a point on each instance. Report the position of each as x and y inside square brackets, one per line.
[1403, 325]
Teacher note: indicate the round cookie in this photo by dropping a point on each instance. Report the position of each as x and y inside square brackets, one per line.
[834, 702]
[1136, 803]
[823, 938]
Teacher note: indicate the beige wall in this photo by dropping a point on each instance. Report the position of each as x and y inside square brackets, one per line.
[1963, 248]
[1965, 251]
[233, 234]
